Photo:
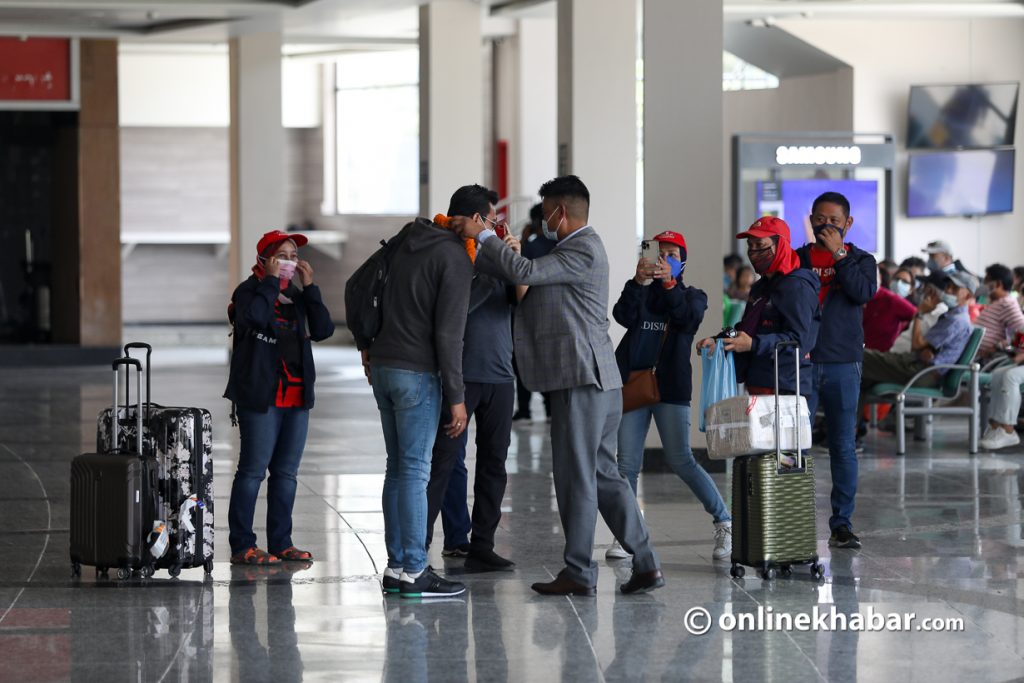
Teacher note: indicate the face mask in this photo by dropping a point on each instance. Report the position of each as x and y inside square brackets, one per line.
[933, 265]
[287, 269]
[818, 229]
[901, 288]
[949, 300]
[676, 265]
[761, 259]
[548, 232]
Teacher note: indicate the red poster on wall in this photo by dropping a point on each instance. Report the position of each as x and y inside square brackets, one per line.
[35, 69]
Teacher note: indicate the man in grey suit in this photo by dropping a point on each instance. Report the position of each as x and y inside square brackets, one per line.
[562, 346]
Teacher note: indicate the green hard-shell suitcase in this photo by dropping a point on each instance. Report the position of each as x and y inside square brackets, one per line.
[773, 516]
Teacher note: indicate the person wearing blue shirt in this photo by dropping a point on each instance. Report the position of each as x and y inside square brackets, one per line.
[944, 342]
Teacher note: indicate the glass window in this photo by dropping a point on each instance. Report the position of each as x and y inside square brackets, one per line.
[377, 132]
[740, 75]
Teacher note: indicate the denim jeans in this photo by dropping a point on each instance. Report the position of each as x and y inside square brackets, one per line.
[410, 406]
[269, 441]
[673, 423]
[837, 387]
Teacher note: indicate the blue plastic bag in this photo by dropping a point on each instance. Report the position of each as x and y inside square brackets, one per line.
[719, 377]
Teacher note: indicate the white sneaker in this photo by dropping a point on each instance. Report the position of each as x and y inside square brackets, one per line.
[988, 433]
[616, 552]
[723, 541]
[1000, 439]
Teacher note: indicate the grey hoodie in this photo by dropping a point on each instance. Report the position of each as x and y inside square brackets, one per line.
[425, 305]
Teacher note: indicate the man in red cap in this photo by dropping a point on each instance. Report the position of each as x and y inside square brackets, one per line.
[783, 306]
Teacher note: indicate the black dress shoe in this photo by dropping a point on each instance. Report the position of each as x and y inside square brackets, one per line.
[520, 415]
[563, 585]
[643, 582]
[488, 561]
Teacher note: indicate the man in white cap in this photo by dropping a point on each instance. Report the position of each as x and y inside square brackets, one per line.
[940, 258]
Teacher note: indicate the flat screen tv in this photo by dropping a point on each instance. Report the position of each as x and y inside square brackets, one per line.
[954, 116]
[962, 183]
[791, 201]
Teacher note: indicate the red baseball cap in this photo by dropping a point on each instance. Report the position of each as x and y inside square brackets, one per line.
[275, 237]
[672, 238]
[767, 226]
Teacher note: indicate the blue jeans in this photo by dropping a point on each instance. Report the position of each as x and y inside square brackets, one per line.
[269, 441]
[410, 406]
[673, 423]
[837, 387]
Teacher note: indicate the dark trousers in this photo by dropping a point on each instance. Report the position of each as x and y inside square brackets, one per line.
[491, 406]
[523, 395]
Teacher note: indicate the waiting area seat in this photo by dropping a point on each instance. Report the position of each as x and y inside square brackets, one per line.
[919, 402]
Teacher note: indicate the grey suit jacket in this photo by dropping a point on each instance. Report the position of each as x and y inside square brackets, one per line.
[561, 326]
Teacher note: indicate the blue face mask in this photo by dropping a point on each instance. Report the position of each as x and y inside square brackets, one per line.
[676, 265]
[949, 300]
[901, 288]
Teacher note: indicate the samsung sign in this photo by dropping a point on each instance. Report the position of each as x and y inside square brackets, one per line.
[820, 155]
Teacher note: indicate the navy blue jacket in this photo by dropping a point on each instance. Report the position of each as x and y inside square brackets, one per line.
[841, 338]
[684, 308]
[791, 314]
[255, 358]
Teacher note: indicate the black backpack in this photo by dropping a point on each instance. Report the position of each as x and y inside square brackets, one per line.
[364, 291]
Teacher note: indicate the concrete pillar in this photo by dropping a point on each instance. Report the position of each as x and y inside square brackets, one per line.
[257, 144]
[535, 154]
[683, 144]
[597, 137]
[451, 101]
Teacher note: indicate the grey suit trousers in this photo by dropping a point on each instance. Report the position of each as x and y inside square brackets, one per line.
[584, 429]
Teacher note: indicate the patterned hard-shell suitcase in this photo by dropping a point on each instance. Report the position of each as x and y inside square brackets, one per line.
[773, 518]
[113, 504]
[181, 442]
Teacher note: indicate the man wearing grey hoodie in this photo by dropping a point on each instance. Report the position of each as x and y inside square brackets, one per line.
[414, 362]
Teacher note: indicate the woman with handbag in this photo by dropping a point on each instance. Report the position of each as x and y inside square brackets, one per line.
[661, 315]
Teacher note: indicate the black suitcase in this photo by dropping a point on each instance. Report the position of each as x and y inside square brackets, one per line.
[181, 442]
[113, 503]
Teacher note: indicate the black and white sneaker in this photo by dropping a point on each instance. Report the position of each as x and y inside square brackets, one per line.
[457, 551]
[391, 583]
[429, 585]
[843, 537]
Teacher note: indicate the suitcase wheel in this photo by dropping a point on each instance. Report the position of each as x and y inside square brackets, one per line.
[123, 573]
[174, 569]
[737, 571]
[786, 571]
[768, 573]
[76, 569]
[817, 571]
[208, 566]
[147, 571]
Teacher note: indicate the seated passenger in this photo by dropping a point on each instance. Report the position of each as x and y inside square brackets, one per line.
[1006, 383]
[943, 343]
[889, 312]
[1002, 316]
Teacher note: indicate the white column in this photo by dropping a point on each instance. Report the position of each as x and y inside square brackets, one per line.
[257, 146]
[597, 138]
[683, 158]
[451, 101]
[535, 154]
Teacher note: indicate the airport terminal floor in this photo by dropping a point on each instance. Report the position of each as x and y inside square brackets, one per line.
[942, 535]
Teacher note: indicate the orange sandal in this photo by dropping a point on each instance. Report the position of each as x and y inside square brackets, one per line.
[254, 556]
[293, 554]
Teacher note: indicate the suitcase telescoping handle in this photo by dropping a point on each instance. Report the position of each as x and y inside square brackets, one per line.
[778, 403]
[128, 363]
[149, 354]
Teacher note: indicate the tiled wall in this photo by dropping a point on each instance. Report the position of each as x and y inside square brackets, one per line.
[177, 179]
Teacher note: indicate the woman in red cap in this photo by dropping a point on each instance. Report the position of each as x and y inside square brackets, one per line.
[276, 312]
[782, 306]
[661, 315]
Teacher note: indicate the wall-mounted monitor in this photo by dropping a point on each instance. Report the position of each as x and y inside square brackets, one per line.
[954, 116]
[961, 183]
[791, 201]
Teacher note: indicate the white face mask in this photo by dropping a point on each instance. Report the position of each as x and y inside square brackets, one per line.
[287, 269]
[901, 288]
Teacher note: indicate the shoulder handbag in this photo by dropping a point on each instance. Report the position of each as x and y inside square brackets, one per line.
[641, 388]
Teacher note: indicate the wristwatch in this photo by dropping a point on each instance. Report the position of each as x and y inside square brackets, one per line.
[840, 252]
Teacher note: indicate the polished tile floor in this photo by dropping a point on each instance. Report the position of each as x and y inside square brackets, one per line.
[942, 538]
